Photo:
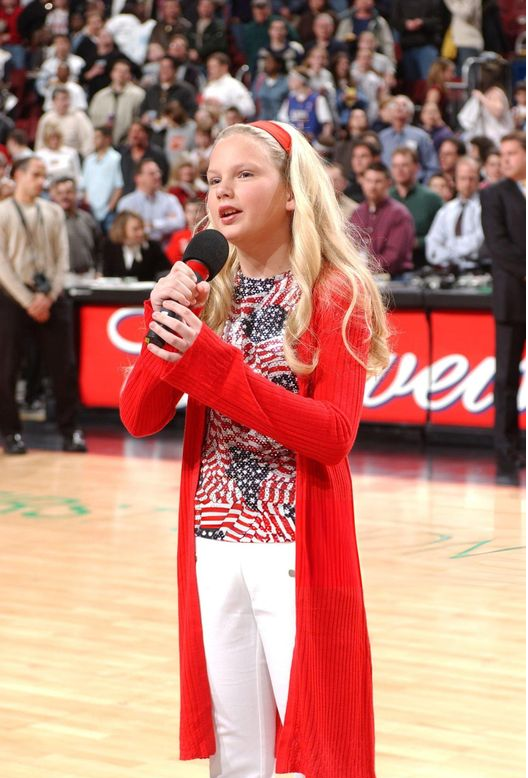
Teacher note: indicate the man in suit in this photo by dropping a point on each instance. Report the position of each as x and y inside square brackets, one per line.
[504, 225]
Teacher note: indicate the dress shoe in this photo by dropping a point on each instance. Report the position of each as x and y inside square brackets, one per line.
[74, 443]
[13, 444]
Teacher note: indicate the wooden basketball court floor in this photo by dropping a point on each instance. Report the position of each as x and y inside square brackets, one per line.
[88, 621]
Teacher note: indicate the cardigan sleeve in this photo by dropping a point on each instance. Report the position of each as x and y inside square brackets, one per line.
[322, 427]
[147, 403]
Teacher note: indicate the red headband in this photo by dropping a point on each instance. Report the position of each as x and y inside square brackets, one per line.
[282, 137]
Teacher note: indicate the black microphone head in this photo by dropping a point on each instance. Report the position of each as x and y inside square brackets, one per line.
[210, 248]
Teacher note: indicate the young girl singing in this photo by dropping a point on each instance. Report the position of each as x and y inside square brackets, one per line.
[274, 651]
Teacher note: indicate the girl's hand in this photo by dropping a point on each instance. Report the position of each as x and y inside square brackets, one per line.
[181, 333]
[179, 286]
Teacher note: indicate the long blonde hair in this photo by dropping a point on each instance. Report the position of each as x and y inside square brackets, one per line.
[320, 242]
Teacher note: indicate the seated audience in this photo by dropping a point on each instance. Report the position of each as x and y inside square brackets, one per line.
[179, 133]
[456, 241]
[127, 252]
[102, 178]
[402, 133]
[443, 186]
[450, 151]
[61, 55]
[222, 90]
[84, 234]
[291, 51]
[136, 148]
[167, 89]
[161, 212]
[77, 129]
[431, 121]
[209, 33]
[118, 104]
[364, 16]
[339, 182]
[270, 86]
[491, 169]
[364, 153]
[307, 110]
[63, 78]
[386, 225]
[60, 160]
[422, 203]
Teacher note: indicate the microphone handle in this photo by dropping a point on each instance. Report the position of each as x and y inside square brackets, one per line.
[153, 337]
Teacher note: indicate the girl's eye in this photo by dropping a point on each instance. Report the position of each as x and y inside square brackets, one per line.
[213, 181]
[245, 174]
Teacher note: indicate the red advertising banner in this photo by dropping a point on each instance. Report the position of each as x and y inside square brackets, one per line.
[441, 369]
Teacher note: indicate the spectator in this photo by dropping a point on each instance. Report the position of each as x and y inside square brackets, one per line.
[179, 135]
[356, 125]
[479, 148]
[128, 253]
[118, 104]
[86, 46]
[339, 182]
[31, 23]
[450, 151]
[76, 128]
[386, 224]
[348, 98]
[209, 32]
[168, 89]
[185, 70]
[431, 121]
[381, 64]
[17, 144]
[324, 27]
[372, 86]
[363, 154]
[306, 20]
[137, 148]
[84, 234]
[419, 24]
[402, 133]
[466, 28]
[160, 211]
[363, 16]
[33, 261]
[441, 71]
[290, 51]
[443, 187]
[185, 183]
[10, 38]
[203, 146]
[194, 212]
[255, 33]
[171, 23]
[487, 112]
[491, 169]
[421, 202]
[130, 32]
[77, 94]
[456, 241]
[62, 55]
[60, 160]
[306, 110]
[321, 80]
[151, 68]
[102, 177]
[504, 224]
[57, 21]
[222, 90]
[96, 73]
[270, 87]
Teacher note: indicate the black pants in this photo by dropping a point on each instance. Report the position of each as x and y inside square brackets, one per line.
[54, 340]
[509, 344]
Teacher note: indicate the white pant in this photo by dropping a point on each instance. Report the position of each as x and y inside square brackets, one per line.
[247, 604]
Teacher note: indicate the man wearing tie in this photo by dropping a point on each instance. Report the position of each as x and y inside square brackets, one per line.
[456, 239]
[504, 224]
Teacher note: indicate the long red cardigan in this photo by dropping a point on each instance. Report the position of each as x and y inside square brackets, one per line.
[329, 728]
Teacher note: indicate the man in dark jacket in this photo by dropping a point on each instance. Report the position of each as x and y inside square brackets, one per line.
[159, 95]
[419, 23]
[504, 225]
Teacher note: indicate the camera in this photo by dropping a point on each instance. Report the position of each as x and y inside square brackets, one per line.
[41, 283]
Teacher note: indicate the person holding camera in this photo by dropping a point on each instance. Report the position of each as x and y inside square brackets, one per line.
[34, 257]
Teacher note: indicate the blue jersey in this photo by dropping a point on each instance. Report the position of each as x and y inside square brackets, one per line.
[303, 116]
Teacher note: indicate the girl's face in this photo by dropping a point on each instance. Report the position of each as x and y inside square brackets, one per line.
[248, 200]
[134, 232]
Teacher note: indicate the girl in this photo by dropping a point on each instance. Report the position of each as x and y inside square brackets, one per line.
[274, 650]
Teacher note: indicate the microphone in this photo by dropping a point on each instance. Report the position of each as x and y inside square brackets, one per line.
[206, 254]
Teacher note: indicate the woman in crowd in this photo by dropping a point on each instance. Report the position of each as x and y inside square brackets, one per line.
[128, 253]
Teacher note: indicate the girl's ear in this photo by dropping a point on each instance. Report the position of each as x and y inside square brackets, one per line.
[290, 202]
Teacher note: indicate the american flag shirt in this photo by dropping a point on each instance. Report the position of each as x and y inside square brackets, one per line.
[246, 489]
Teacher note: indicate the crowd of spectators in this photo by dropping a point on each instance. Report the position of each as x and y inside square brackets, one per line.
[407, 100]
[124, 100]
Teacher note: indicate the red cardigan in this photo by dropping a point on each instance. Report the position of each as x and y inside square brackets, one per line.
[329, 728]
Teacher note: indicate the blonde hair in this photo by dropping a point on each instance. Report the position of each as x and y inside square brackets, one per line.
[320, 243]
[52, 131]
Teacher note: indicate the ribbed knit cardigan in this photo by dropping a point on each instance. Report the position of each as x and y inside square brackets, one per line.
[329, 729]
